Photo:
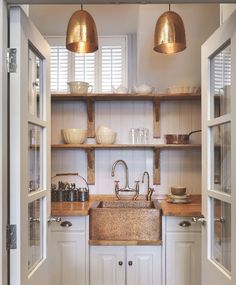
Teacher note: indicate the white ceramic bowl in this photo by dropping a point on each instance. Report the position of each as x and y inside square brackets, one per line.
[106, 138]
[74, 136]
[103, 128]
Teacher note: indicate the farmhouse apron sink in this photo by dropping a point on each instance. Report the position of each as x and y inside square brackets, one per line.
[125, 221]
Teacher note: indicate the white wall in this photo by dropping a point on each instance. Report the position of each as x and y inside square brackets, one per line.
[177, 167]
[183, 68]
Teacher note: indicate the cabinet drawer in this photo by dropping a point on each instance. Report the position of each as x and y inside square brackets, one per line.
[181, 224]
[69, 224]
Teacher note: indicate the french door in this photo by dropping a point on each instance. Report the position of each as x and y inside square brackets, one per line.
[219, 155]
[29, 151]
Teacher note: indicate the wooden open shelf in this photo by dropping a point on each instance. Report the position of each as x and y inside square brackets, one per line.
[125, 146]
[90, 98]
[156, 148]
[128, 96]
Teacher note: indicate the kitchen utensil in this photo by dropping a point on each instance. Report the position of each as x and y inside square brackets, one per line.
[178, 190]
[67, 187]
[83, 194]
[80, 87]
[179, 139]
[74, 136]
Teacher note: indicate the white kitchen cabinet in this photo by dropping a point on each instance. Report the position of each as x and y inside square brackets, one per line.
[69, 252]
[182, 251]
[125, 265]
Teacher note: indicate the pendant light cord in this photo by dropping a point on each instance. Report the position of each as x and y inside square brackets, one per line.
[169, 7]
[81, 6]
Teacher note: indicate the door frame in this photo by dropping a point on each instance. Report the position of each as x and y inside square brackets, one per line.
[4, 105]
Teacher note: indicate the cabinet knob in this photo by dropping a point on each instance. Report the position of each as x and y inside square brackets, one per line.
[185, 224]
[66, 224]
[120, 263]
[130, 263]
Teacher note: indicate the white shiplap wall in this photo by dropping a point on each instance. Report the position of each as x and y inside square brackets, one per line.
[178, 167]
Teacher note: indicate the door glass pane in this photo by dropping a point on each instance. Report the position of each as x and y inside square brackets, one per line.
[35, 227]
[35, 85]
[221, 158]
[221, 233]
[221, 82]
[34, 158]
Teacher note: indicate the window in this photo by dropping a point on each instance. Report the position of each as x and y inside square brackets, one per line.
[104, 69]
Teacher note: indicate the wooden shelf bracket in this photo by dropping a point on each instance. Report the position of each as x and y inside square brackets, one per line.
[91, 166]
[91, 118]
[156, 167]
[156, 118]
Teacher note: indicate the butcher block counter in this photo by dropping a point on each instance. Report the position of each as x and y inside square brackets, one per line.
[82, 208]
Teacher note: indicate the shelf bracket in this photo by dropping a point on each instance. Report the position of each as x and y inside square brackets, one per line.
[156, 118]
[156, 167]
[91, 166]
[91, 118]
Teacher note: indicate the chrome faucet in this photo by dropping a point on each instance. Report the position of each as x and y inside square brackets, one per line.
[149, 189]
[126, 187]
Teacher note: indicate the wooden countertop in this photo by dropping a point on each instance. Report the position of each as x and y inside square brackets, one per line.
[193, 209]
[82, 208]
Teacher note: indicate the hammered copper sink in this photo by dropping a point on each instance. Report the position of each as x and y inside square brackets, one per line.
[125, 221]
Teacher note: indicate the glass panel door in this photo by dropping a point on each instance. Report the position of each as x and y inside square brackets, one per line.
[219, 125]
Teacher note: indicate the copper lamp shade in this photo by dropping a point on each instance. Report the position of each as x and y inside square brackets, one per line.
[169, 33]
[81, 33]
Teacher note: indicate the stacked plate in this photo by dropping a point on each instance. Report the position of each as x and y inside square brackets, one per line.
[178, 196]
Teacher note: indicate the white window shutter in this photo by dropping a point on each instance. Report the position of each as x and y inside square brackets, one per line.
[59, 68]
[85, 68]
[112, 67]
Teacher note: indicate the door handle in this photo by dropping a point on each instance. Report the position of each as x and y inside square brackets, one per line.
[54, 219]
[202, 221]
[34, 220]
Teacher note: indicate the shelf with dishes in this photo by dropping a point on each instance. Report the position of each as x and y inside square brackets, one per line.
[156, 148]
[155, 98]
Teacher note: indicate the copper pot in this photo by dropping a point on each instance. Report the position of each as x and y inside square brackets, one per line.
[179, 139]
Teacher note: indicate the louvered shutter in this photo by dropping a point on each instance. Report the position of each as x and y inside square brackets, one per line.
[222, 70]
[85, 68]
[112, 67]
[59, 68]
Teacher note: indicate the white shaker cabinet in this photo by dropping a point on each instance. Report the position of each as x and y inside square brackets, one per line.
[182, 251]
[69, 252]
[125, 265]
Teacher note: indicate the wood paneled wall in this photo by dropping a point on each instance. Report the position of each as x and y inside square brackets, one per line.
[178, 167]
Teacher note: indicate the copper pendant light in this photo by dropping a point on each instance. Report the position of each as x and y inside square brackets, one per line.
[81, 33]
[169, 33]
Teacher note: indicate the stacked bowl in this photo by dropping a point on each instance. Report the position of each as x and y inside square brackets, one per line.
[105, 135]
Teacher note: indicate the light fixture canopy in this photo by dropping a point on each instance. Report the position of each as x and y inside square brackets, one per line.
[169, 33]
[81, 33]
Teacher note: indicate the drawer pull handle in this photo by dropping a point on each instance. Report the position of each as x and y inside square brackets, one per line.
[130, 263]
[66, 224]
[120, 263]
[185, 224]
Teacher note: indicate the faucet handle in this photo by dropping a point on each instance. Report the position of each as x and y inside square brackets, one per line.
[117, 181]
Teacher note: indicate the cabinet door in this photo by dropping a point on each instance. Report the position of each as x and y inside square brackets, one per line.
[107, 265]
[143, 265]
[68, 258]
[183, 258]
